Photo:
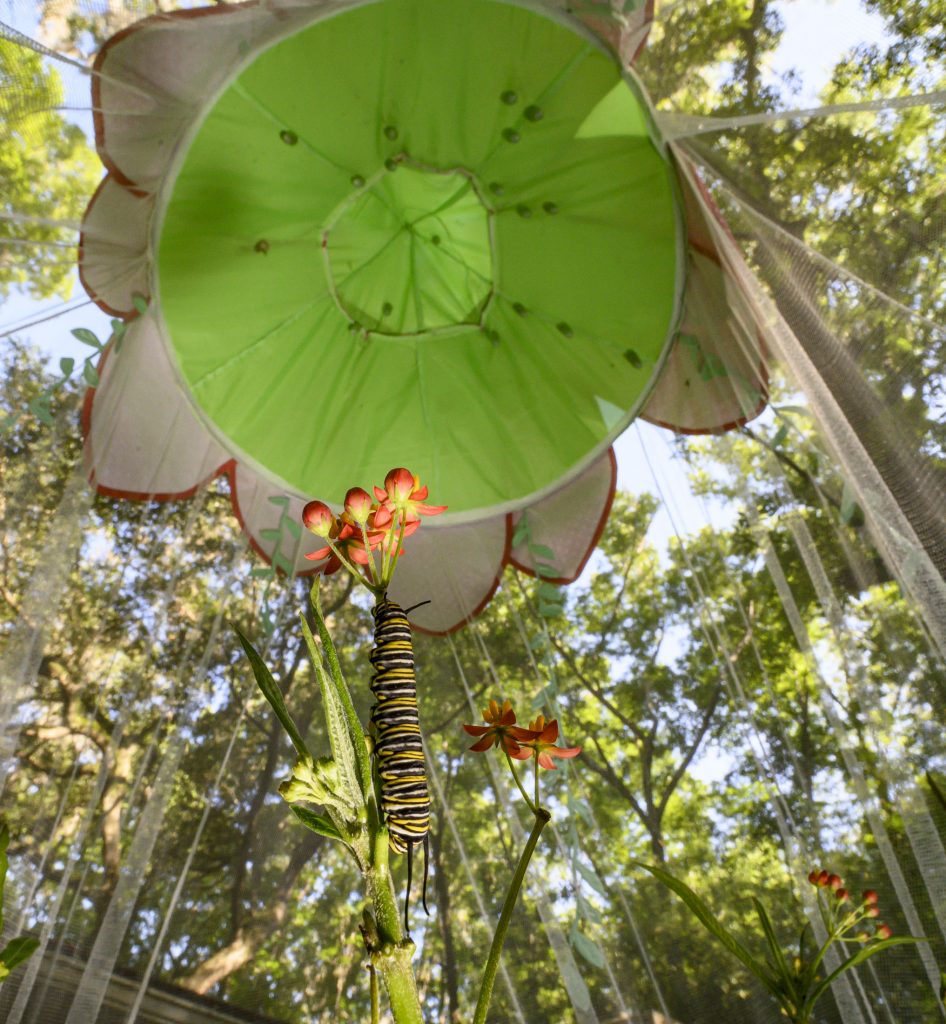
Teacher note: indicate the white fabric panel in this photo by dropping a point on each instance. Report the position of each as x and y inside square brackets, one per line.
[714, 378]
[144, 439]
[569, 521]
[113, 260]
[253, 505]
[153, 78]
[456, 568]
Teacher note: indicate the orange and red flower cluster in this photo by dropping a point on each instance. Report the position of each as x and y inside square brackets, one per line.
[368, 525]
[867, 908]
[537, 741]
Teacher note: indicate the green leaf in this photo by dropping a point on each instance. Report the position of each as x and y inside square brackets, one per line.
[315, 822]
[541, 551]
[87, 337]
[587, 910]
[66, 365]
[4, 842]
[589, 949]
[778, 957]
[848, 504]
[538, 642]
[708, 919]
[17, 950]
[591, 877]
[140, 303]
[939, 793]
[91, 375]
[780, 436]
[344, 695]
[545, 571]
[864, 953]
[549, 591]
[279, 499]
[336, 722]
[39, 407]
[548, 610]
[797, 410]
[262, 572]
[584, 809]
[291, 526]
[265, 681]
[283, 563]
[521, 533]
[272, 535]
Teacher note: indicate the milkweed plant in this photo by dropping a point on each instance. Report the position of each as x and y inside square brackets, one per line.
[370, 794]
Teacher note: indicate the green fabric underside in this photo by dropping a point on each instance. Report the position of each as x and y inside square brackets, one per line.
[430, 233]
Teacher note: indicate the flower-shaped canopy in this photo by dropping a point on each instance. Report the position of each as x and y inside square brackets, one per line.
[410, 232]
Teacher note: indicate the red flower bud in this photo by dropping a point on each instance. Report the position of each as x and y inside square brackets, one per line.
[884, 931]
[869, 896]
[823, 877]
[318, 518]
[835, 882]
[841, 895]
[358, 504]
[813, 877]
[873, 911]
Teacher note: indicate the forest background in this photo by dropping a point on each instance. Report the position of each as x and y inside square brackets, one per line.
[737, 725]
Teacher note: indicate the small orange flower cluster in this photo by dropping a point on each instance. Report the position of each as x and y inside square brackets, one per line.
[867, 908]
[537, 741]
[368, 525]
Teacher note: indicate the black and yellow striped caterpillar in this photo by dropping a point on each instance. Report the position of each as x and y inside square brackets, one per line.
[405, 800]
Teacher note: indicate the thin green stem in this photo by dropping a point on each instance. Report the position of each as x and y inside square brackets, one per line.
[375, 995]
[375, 578]
[536, 763]
[362, 579]
[397, 549]
[525, 796]
[542, 818]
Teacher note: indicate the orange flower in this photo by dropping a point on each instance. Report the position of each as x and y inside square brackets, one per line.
[404, 497]
[499, 729]
[540, 737]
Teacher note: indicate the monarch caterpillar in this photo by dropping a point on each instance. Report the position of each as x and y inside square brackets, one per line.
[405, 800]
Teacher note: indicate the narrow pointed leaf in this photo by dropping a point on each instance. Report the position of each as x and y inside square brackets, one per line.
[315, 822]
[336, 721]
[545, 571]
[40, 409]
[91, 375]
[17, 950]
[708, 919]
[778, 957]
[541, 551]
[937, 791]
[591, 877]
[269, 534]
[4, 841]
[521, 533]
[66, 365]
[344, 695]
[140, 303]
[588, 948]
[864, 953]
[265, 681]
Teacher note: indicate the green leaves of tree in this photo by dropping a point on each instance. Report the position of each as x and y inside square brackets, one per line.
[23, 946]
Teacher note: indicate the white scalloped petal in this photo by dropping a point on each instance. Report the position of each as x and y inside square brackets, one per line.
[714, 378]
[153, 78]
[113, 257]
[272, 518]
[569, 522]
[456, 568]
[142, 437]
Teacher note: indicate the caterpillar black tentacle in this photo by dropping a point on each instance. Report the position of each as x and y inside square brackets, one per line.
[405, 800]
